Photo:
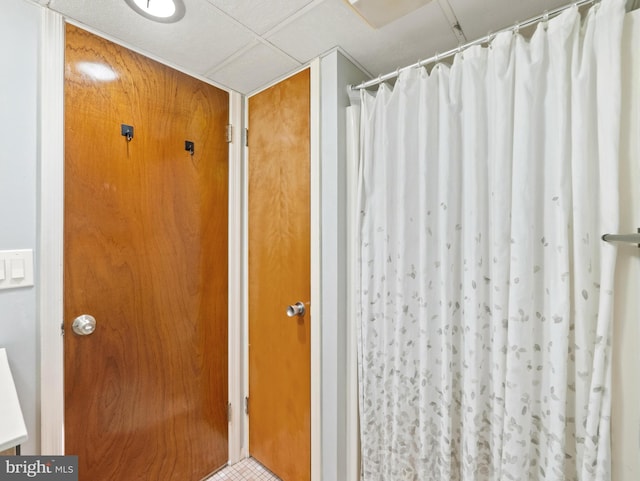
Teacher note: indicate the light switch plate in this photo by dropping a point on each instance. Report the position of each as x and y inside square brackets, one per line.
[18, 268]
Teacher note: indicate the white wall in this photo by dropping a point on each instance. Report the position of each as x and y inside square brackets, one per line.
[626, 339]
[19, 40]
[336, 73]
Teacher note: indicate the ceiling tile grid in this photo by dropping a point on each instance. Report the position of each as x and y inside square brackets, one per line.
[414, 37]
[262, 15]
[332, 23]
[204, 38]
[253, 68]
[320, 29]
[246, 44]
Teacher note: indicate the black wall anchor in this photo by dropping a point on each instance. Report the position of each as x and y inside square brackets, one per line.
[127, 131]
[189, 146]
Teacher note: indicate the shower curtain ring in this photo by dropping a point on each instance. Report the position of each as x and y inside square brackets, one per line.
[545, 20]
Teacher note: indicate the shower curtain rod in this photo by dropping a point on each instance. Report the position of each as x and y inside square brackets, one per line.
[487, 38]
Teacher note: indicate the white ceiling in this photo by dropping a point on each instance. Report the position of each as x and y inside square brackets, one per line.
[246, 44]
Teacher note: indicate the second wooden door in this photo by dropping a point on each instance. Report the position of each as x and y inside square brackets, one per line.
[279, 275]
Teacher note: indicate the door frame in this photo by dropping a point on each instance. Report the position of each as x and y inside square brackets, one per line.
[50, 218]
[50, 221]
[316, 270]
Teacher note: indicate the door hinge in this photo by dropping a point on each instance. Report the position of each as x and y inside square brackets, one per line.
[246, 137]
[229, 412]
[229, 133]
[62, 329]
[246, 405]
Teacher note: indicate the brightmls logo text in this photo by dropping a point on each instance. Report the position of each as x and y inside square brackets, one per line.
[51, 468]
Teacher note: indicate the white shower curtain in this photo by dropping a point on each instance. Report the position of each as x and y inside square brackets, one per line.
[485, 291]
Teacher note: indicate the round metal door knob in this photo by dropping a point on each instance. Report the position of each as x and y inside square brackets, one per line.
[296, 309]
[84, 325]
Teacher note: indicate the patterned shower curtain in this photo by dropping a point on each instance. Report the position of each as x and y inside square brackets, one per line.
[485, 296]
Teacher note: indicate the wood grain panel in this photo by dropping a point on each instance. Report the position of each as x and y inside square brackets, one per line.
[279, 275]
[145, 249]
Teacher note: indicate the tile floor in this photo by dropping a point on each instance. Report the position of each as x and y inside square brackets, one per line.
[246, 470]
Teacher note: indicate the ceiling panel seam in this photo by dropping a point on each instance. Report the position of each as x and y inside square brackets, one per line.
[452, 18]
[292, 18]
[235, 20]
[239, 53]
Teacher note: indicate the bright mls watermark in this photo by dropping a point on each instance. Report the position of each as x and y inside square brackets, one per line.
[52, 468]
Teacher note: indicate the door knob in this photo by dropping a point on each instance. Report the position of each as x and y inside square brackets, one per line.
[296, 309]
[84, 325]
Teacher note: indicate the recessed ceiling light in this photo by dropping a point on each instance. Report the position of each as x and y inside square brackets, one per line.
[166, 11]
[379, 13]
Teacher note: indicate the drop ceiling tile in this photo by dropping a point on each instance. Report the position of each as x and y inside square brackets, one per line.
[416, 36]
[262, 15]
[477, 19]
[320, 29]
[204, 38]
[220, 38]
[402, 42]
[254, 68]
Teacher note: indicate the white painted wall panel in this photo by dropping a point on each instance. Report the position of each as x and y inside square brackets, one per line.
[19, 40]
[625, 424]
[337, 72]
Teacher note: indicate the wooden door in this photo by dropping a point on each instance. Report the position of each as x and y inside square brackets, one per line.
[145, 249]
[279, 275]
